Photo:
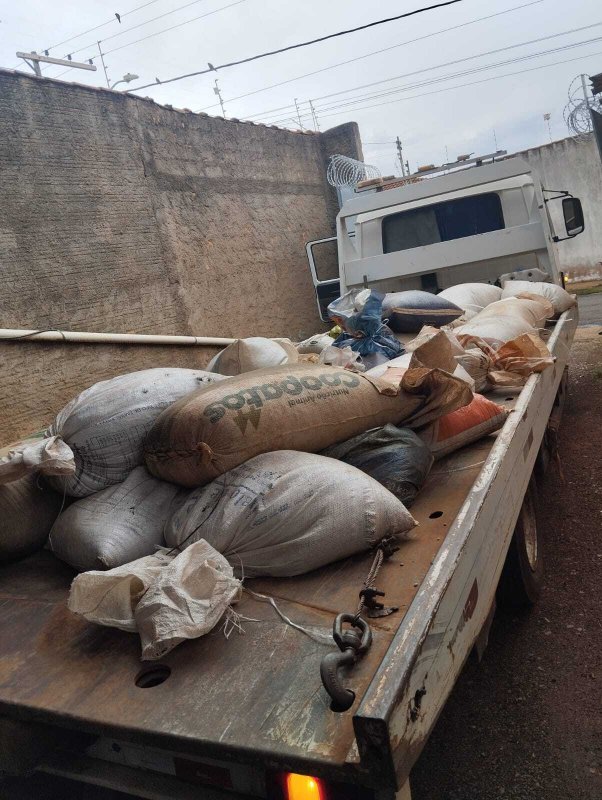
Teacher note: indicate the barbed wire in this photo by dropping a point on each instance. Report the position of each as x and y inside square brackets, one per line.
[576, 112]
[346, 171]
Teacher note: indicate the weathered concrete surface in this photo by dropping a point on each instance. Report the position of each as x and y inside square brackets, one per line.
[121, 215]
[574, 167]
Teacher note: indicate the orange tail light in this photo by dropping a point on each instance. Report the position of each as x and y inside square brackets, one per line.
[303, 787]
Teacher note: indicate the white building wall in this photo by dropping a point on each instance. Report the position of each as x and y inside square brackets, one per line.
[575, 167]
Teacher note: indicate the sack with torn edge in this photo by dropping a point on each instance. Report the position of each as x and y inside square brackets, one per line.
[97, 439]
[505, 320]
[408, 311]
[433, 348]
[477, 362]
[117, 525]
[315, 344]
[509, 365]
[304, 408]
[245, 355]
[472, 297]
[343, 357]
[166, 597]
[28, 510]
[514, 361]
[464, 426]
[561, 300]
[364, 331]
[395, 457]
[285, 513]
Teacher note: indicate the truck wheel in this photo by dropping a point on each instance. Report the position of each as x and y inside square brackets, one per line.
[522, 576]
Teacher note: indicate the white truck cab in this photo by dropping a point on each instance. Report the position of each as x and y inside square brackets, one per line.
[483, 224]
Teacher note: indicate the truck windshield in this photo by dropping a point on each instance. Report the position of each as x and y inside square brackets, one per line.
[441, 222]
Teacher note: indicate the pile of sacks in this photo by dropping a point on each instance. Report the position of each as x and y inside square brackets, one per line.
[166, 488]
[142, 475]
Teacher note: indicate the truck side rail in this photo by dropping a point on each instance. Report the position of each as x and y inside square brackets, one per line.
[441, 625]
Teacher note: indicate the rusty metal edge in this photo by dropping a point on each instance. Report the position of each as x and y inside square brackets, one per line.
[387, 688]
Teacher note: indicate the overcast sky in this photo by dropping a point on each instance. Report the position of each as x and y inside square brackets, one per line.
[463, 120]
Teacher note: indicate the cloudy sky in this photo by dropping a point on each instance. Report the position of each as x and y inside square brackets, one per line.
[431, 79]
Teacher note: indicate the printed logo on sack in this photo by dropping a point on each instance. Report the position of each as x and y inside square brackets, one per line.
[304, 389]
[242, 419]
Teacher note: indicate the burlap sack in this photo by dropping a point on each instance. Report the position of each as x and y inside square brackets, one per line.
[295, 407]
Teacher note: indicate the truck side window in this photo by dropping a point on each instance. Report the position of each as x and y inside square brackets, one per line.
[442, 222]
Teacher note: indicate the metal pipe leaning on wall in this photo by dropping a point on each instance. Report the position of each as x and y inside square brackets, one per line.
[87, 337]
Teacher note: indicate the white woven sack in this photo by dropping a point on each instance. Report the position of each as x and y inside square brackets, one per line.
[120, 524]
[245, 355]
[166, 597]
[472, 297]
[506, 319]
[559, 297]
[97, 439]
[286, 513]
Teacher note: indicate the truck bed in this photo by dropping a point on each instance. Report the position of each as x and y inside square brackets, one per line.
[257, 698]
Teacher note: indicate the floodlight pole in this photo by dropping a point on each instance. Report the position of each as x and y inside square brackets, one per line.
[33, 61]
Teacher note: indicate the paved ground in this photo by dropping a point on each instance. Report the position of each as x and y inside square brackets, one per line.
[590, 309]
[526, 724]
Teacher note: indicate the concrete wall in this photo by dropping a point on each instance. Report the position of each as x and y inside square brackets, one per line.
[117, 214]
[576, 167]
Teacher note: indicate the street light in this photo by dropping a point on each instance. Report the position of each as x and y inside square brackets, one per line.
[127, 78]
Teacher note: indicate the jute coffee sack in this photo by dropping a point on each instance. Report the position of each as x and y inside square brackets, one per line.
[296, 407]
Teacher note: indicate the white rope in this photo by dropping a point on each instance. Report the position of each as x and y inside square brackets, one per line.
[321, 638]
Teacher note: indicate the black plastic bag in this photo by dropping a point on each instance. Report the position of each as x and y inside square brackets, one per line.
[395, 457]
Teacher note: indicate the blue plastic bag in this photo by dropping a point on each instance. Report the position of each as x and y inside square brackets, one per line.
[365, 332]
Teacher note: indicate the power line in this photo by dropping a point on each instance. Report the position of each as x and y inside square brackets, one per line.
[354, 101]
[165, 30]
[372, 95]
[373, 53]
[96, 27]
[302, 44]
[140, 25]
[473, 83]
[439, 66]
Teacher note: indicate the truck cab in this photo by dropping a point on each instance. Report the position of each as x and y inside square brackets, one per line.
[486, 223]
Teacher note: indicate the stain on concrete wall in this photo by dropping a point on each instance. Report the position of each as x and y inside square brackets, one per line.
[122, 215]
[575, 167]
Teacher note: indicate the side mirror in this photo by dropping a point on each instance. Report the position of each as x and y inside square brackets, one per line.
[573, 216]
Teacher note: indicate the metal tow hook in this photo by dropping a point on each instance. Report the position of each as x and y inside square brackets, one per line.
[352, 646]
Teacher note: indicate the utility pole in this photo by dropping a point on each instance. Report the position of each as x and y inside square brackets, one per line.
[298, 113]
[584, 85]
[216, 90]
[400, 156]
[315, 116]
[104, 66]
[547, 119]
[33, 60]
